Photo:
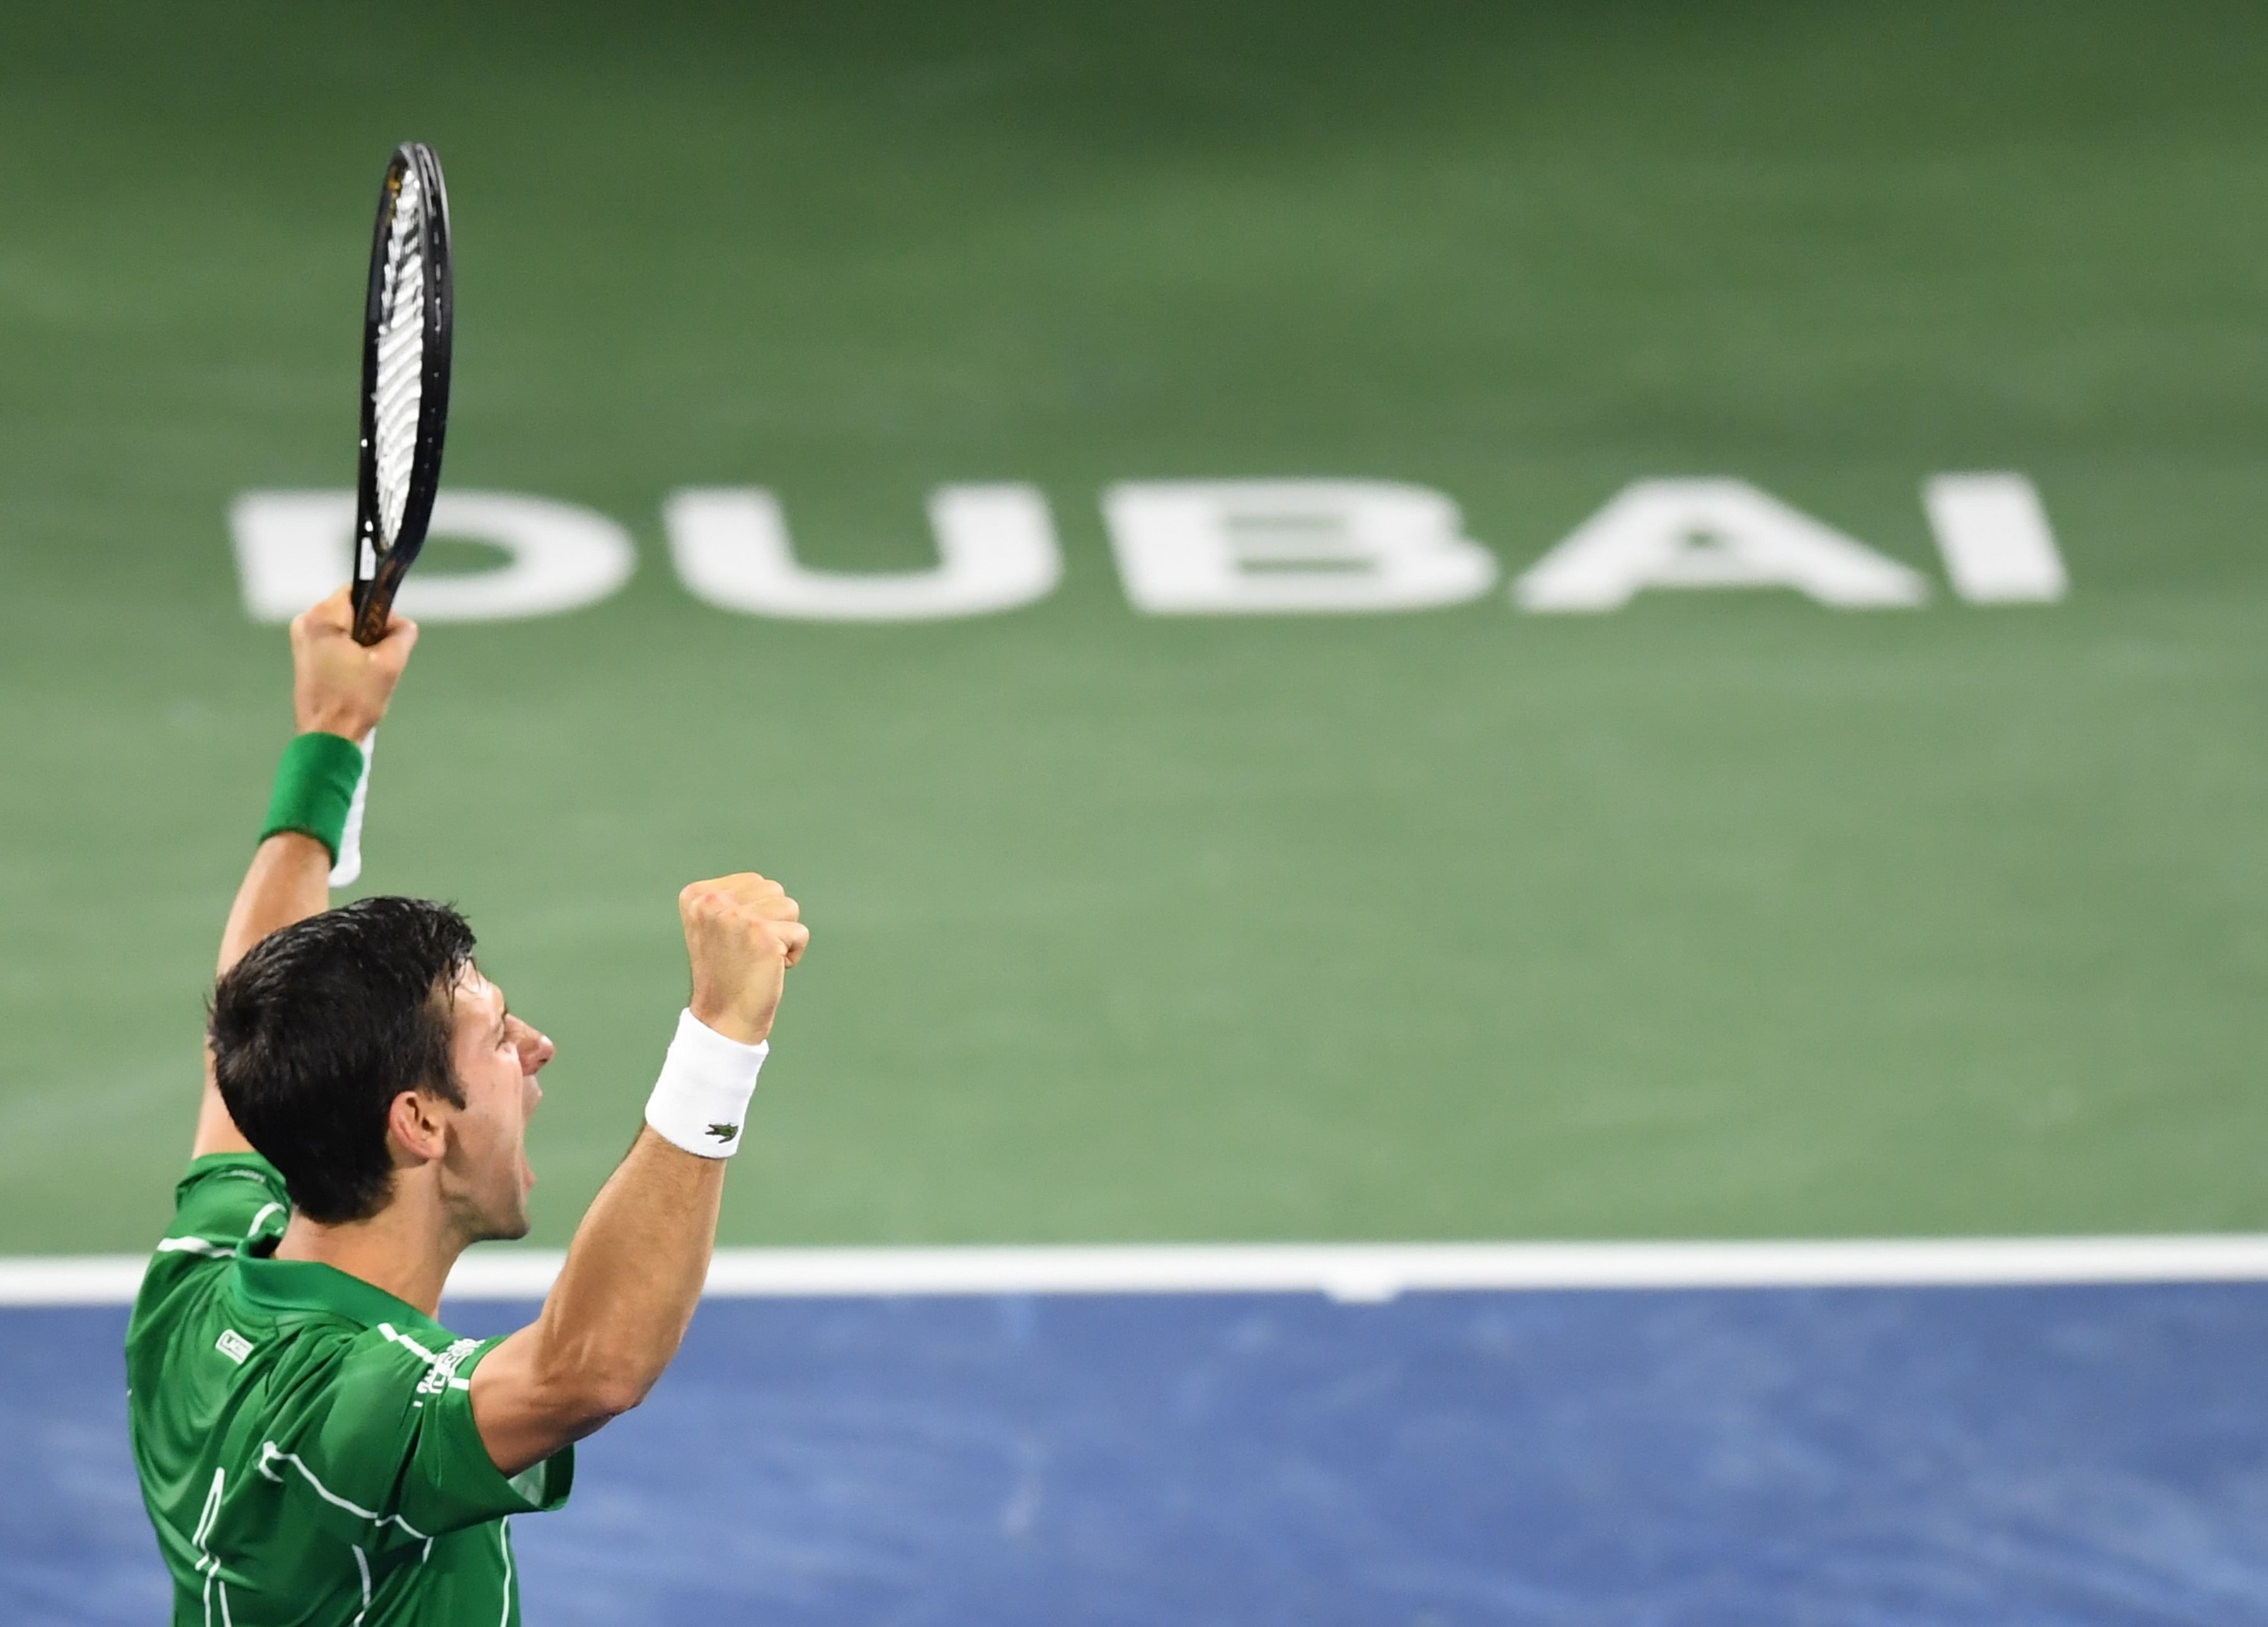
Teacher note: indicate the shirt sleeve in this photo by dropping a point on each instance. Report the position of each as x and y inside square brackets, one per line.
[386, 1442]
[454, 1482]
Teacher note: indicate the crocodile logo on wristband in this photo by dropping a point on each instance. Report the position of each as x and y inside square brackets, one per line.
[724, 1132]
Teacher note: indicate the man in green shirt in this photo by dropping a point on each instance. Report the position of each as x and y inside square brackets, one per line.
[313, 1446]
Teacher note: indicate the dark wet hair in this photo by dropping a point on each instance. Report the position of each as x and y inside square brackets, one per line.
[320, 1025]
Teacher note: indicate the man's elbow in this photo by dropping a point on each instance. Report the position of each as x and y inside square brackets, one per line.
[531, 1399]
[592, 1393]
[585, 1384]
[605, 1396]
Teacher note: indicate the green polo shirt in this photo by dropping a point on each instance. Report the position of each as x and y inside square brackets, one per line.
[305, 1442]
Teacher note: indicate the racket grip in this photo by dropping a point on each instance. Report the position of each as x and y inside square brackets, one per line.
[348, 868]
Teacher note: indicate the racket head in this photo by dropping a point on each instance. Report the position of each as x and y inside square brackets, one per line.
[406, 325]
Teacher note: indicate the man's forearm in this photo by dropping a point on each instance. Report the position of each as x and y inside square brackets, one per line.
[617, 1313]
[289, 881]
[338, 686]
[624, 1298]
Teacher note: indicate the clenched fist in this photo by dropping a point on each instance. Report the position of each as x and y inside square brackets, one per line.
[741, 933]
[339, 687]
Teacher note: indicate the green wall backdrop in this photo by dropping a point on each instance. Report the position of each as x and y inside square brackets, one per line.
[1726, 913]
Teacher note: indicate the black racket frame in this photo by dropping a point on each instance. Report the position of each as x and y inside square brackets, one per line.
[373, 592]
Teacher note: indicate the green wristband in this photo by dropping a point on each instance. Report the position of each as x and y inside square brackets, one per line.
[314, 785]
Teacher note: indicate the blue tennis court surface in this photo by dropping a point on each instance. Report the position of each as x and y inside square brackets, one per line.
[2092, 1455]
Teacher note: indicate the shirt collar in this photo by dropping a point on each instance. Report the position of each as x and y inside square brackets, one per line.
[311, 1286]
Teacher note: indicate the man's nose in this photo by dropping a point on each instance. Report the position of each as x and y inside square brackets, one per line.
[535, 1049]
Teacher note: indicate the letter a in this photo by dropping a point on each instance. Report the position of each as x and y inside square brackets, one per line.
[1711, 533]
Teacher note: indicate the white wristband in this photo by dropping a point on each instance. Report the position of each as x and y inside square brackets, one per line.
[701, 1101]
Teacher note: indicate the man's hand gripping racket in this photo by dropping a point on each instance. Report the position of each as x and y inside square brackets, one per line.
[409, 321]
[339, 684]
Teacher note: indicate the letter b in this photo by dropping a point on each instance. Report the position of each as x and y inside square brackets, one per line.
[1230, 548]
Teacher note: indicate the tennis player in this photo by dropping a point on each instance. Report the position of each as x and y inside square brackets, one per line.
[314, 1448]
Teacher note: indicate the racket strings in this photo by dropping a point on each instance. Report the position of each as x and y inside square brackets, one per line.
[399, 389]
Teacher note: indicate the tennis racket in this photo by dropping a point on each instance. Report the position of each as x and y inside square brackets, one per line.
[406, 322]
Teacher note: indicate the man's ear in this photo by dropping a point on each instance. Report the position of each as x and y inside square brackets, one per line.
[415, 1124]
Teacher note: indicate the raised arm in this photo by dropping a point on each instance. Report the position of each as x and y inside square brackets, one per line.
[634, 1273]
[338, 686]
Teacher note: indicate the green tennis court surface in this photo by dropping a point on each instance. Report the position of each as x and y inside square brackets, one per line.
[1725, 913]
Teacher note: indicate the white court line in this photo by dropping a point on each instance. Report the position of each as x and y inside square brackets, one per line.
[1352, 1271]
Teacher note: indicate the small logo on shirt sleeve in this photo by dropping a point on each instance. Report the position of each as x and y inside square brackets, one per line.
[233, 1345]
[724, 1132]
[443, 1374]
